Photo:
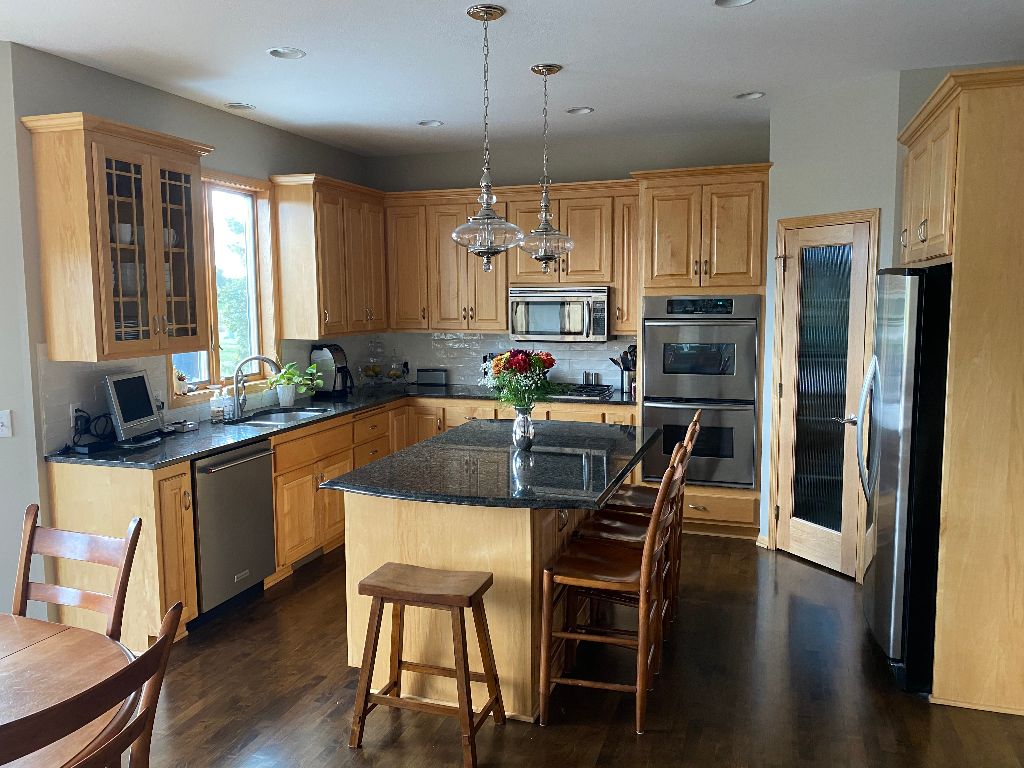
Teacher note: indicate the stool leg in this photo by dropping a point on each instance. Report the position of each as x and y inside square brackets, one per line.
[355, 740]
[643, 650]
[397, 627]
[546, 619]
[572, 612]
[483, 636]
[462, 684]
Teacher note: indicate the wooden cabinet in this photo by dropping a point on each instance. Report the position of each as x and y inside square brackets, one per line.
[929, 182]
[295, 495]
[525, 214]
[399, 428]
[570, 413]
[122, 240]
[407, 267]
[487, 291]
[425, 422]
[588, 221]
[331, 244]
[176, 546]
[625, 292]
[457, 415]
[330, 505]
[721, 506]
[703, 226]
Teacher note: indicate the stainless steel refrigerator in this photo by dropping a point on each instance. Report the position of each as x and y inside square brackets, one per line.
[899, 450]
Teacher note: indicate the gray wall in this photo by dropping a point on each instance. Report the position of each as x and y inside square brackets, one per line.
[577, 160]
[831, 151]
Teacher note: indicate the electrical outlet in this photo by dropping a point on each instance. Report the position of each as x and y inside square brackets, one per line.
[74, 407]
[5, 424]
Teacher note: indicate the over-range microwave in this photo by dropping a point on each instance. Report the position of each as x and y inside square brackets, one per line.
[544, 313]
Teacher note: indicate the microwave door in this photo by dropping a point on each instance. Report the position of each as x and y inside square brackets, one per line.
[546, 319]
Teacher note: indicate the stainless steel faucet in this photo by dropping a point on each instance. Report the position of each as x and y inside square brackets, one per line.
[239, 381]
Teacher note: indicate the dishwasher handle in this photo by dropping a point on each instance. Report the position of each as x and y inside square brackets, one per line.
[237, 462]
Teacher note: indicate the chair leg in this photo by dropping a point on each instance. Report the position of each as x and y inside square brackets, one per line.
[547, 616]
[462, 685]
[643, 650]
[397, 627]
[366, 673]
[483, 636]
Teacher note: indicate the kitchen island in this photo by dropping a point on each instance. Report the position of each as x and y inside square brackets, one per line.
[466, 500]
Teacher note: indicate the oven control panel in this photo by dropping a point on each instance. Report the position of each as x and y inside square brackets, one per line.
[699, 306]
[746, 307]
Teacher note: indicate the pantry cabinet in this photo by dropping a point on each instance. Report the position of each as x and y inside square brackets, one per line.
[703, 227]
[407, 267]
[330, 235]
[929, 182]
[122, 240]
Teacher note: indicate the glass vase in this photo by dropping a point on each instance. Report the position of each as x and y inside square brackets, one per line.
[522, 429]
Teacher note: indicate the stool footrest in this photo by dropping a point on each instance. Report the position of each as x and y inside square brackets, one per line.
[415, 705]
[624, 642]
[430, 669]
[594, 684]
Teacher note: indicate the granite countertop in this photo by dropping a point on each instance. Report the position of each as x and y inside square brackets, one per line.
[578, 465]
[212, 438]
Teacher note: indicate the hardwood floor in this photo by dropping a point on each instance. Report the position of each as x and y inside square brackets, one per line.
[769, 665]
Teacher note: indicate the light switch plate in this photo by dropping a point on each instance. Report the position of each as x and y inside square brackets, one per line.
[5, 424]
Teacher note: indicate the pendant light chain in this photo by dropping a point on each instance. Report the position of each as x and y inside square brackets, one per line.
[546, 180]
[487, 101]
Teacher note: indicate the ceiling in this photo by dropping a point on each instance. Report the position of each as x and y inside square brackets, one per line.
[375, 68]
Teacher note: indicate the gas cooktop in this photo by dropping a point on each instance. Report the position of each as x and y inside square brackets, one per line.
[595, 392]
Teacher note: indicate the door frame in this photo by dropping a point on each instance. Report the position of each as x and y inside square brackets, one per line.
[869, 216]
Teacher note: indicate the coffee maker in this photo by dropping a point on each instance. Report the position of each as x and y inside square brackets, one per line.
[332, 363]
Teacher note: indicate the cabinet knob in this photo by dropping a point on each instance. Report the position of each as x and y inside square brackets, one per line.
[186, 500]
[903, 237]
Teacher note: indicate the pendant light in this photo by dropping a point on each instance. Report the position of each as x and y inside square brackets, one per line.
[546, 244]
[487, 234]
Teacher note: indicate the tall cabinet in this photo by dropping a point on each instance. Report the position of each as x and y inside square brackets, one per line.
[120, 213]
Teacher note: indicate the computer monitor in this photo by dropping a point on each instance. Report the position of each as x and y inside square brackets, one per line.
[132, 407]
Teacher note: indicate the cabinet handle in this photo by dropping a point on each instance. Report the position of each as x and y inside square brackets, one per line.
[464, 313]
[374, 452]
[565, 264]
[707, 266]
[186, 500]
[438, 423]
[903, 237]
[156, 325]
[163, 319]
[472, 313]
[924, 230]
[696, 267]
[321, 479]
[698, 507]
[327, 316]
[373, 427]
[423, 313]
[618, 313]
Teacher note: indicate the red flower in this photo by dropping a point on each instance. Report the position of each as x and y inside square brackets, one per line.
[547, 360]
[519, 363]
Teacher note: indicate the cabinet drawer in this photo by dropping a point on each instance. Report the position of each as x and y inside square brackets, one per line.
[566, 414]
[371, 427]
[367, 452]
[307, 450]
[713, 508]
[457, 416]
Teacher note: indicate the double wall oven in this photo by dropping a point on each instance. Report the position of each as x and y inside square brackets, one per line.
[700, 352]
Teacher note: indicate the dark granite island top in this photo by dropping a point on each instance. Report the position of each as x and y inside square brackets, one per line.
[577, 465]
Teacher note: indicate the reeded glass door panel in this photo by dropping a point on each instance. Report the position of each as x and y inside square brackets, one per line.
[181, 267]
[821, 384]
[130, 316]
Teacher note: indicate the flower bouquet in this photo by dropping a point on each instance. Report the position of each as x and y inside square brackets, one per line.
[519, 377]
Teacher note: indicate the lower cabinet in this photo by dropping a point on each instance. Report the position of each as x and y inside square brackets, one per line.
[330, 505]
[425, 421]
[295, 495]
[456, 416]
[176, 546]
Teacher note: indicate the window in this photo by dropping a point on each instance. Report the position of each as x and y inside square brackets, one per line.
[235, 216]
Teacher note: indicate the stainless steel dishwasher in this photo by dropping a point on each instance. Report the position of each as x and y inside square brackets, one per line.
[234, 508]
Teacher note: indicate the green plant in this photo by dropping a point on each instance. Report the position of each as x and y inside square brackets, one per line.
[304, 381]
[520, 377]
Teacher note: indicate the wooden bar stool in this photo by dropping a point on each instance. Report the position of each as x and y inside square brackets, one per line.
[452, 591]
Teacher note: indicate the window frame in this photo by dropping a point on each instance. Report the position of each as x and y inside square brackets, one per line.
[264, 279]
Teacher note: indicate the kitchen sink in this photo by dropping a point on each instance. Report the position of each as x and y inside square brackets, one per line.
[276, 417]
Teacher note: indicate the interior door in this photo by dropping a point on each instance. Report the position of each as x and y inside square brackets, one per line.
[824, 317]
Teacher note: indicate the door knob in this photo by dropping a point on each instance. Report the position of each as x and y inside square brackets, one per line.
[850, 420]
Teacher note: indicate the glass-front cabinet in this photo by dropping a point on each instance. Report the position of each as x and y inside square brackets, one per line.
[121, 239]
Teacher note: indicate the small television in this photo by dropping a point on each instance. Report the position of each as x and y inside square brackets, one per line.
[132, 406]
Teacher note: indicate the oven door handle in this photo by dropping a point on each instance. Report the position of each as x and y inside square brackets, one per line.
[700, 405]
[730, 323]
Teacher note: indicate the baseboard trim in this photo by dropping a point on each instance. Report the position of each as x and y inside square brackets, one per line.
[762, 541]
[725, 531]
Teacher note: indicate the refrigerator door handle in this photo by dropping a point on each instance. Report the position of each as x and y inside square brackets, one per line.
[869, 382]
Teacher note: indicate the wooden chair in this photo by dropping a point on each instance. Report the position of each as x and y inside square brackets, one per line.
[452, 591]
[71, 545]
[606, 571]
[140, 680]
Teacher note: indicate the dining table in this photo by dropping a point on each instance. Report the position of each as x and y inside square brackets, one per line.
[42, 664]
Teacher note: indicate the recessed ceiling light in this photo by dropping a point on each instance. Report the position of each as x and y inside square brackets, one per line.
[239, 106]
[580, 110]
[431, 123]
[286, 52]
[732, 3]
[749, 95]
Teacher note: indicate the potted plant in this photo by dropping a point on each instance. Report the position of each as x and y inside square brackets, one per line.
[180, 383]
[291, 379]
[519, 377]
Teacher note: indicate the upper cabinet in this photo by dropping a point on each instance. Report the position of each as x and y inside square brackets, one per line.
[407, 266]
[703, 226]
[525, 214]
[121, 238]
[929, 181]
[625, 293]
[331, 246]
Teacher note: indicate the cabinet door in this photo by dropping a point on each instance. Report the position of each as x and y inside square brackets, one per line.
[375, 265]
[456, 416]
[525, 214]
[330, 504]
[731, 228]
[446, 264]
[627, 419]
[672, 236]
[180, 275]
[588, 221]
[938, 219]
[399, 429]
[295, 513]
[129, 318]
[488, 291]
[569, 414]
[915, 198]
[425, 422]
[407, 266]
[625, 286]
[330, 248]
[177, 547]
[357, 266]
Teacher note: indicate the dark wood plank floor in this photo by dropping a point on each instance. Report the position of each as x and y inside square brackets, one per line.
[769, 665]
